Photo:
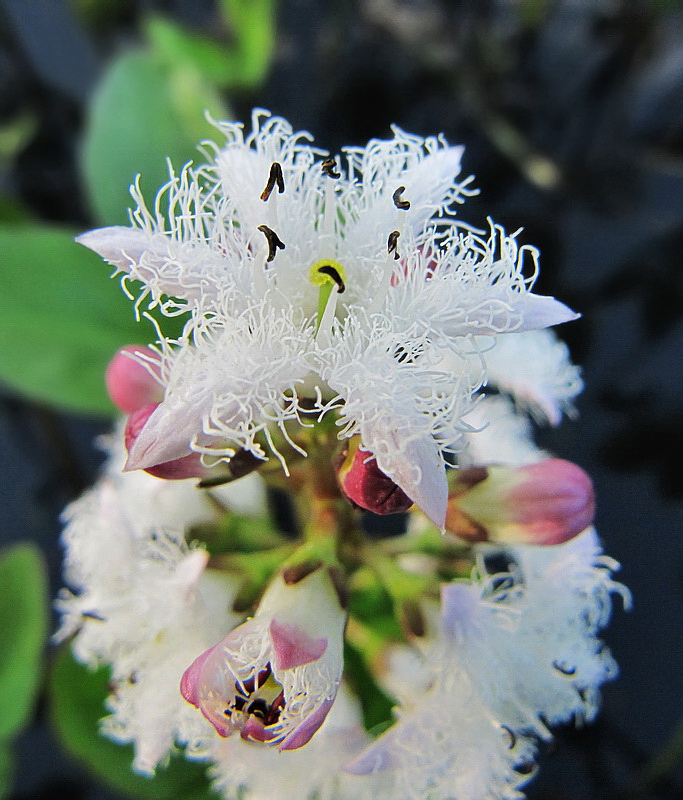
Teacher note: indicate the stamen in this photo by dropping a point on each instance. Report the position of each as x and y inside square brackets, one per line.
[329, 168]
[392, 244]
[273, 241]
[399, 202]
[275, 177]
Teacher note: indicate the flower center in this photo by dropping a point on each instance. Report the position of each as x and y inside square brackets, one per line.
[261, 697]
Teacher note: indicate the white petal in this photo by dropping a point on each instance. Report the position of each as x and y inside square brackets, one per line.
[416, 467]
[541, 311]
[119, 245]
[168, 434]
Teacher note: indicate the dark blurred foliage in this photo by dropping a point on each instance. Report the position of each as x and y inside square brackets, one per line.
[572, 114]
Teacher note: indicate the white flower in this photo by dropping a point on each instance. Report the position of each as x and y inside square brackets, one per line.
[316, 286]
[274, 678]
[143, 602]
[517, 651]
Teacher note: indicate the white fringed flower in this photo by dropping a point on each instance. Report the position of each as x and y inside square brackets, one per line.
[517, 651]
[144, 603]
[274, 678]
[316, 286]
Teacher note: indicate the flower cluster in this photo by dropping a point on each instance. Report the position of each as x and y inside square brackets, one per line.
[341, 318]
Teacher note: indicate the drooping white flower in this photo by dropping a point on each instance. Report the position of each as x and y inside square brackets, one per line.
[143, 602]
[316, 286]
[274, 678]
[517, 651]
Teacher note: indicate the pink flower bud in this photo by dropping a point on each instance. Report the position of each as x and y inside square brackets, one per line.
[129, 383]
[545, 503]
[189, 466]
[366, 485]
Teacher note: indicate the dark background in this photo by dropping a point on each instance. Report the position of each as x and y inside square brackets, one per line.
[572, 115]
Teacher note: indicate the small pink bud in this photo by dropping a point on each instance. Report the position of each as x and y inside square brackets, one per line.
[189, 466]
[545, 503]
[129, 383]
[366, 485]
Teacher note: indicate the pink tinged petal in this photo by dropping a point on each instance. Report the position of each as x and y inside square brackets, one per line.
[185, 464]
[541, 311]
[209, 682]
[293, 647]
[255, 731]
[303, 733]
[189, 683]
[166, 436]
[130, 384]
[118, 245]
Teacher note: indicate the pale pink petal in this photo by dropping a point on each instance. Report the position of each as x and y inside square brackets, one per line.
[166, 436]
[130, 384]
[292, 647]
[255, 731]
[303, 733]
[189, 683]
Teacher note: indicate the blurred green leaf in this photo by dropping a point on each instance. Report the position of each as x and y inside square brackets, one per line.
[63, 318]
[12, 211]
[6, 770]
[143, 113]
[76, 706]
[252, 23]
[175, 45]
[23, 622]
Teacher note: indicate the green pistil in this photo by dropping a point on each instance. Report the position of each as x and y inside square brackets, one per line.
[326, 273]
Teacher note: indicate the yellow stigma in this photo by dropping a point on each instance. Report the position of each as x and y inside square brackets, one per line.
[327, 271]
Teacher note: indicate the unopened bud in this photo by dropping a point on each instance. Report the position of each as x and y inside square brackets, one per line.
[545, 503]
[189, 466]
[131, 384]
[364, 483]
